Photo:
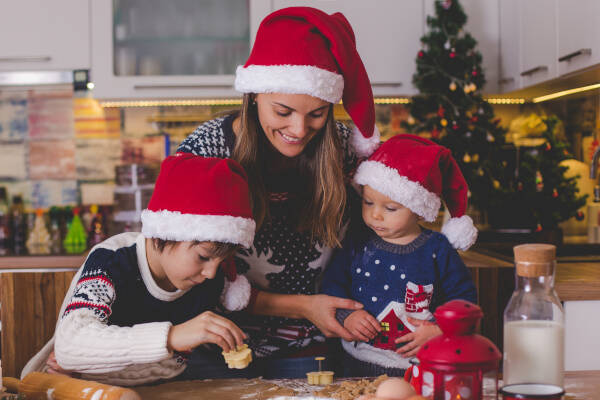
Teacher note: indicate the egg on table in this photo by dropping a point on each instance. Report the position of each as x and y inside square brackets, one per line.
[394, 389]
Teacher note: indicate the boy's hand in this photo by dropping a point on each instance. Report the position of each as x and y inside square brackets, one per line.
[207, 327]
[425, 331]
[362, 325]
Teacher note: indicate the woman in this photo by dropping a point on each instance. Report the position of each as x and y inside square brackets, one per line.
[298, 161]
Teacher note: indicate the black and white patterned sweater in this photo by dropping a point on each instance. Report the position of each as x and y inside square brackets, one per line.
[116, 319]
[281, 259]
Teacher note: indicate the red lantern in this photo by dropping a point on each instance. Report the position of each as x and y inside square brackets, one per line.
[453, 365]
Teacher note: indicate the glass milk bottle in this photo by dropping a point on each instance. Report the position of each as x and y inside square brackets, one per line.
[534, 320]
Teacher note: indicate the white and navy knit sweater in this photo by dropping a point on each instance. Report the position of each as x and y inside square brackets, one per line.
[281, 259]
[116, 319]
[394, 282]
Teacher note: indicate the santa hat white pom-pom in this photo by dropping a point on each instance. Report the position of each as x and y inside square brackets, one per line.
[363, 146]
[236, 294]
[461, 232]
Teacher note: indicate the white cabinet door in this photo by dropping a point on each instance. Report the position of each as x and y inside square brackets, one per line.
[482, 24]
[537, 31]
[387, 35]
[510, 73]
[153, 49]
[44, 35]
[578, 34]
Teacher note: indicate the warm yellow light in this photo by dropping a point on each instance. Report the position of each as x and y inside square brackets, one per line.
[158, 103]
[505, 101]
[566, 93]
[392, 100]
[90, 85]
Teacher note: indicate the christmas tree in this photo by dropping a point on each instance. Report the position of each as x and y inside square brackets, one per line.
[450, 107]
[535, 193]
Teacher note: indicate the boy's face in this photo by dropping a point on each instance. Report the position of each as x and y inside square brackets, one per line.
[290, 121]
[390, 220]
[187, 264]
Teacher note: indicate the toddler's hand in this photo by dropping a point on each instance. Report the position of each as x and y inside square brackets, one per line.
[207, 327]
[52, 367]
[425, 331]
[362, 325]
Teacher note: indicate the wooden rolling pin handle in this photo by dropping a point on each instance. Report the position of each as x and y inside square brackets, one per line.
[38, 385]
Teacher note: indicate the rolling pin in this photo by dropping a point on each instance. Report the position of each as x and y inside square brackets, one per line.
[42, 386]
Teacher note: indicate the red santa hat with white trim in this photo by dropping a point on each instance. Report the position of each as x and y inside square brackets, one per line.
[418, 173]
[303, 50]
[207, 200]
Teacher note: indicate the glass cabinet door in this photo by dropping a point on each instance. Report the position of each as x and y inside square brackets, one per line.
[179, 37]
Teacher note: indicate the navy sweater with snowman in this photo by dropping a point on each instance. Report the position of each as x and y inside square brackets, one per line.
[394, 282]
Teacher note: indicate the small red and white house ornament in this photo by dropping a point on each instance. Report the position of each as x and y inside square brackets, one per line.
[454, 364]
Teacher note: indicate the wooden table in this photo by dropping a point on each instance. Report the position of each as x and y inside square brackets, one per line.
[578, 386]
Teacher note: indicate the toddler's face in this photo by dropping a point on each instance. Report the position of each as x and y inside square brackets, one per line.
[187, 265]
[390, 220]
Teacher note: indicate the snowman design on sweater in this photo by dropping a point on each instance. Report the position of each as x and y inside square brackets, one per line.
[395, 282]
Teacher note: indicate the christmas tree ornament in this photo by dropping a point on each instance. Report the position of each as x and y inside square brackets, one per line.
[539, 181]
[534, 152]
[480, 171]
[468, 134]
[452, 86]
[496, 184]
[443, 122]
[411, 120]
[420, 54]
[474, 72]
[76, 238]
[480, 111]
[548, 146]
[38, 241]
[447, 4]
[452, 54]
[440, 111]
[538, 228]
[447, 45]
[467, 89]
[579, 216]
[435, 133]
[466, 158]
[475, 157]
[520, 186]
[554, 193]
[473, 87]
[490, 138]
[474, 119]
[454, 365]
[454, 125]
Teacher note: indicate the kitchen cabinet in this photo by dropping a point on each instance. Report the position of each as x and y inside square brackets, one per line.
[537, 32]
[482, 24]
[387, 38]
[578, 35]
[177, 49]
[509, 75]
[32, 289]
[44, 35]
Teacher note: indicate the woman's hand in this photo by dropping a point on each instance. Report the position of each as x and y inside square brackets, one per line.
[320, 310]
[52, 367]
[362, 325]
[425, 331]
[207, 327]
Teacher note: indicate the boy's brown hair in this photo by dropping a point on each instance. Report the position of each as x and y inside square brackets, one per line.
[219, 249]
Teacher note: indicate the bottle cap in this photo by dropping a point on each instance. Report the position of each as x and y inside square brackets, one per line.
[534, 259]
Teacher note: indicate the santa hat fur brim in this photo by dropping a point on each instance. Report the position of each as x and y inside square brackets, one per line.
[399, 188]
[362, 145]
[236, 294]
[461, 232]
[173, 225]
[293, 79]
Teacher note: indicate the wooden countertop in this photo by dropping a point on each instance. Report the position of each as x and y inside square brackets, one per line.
[574, 281]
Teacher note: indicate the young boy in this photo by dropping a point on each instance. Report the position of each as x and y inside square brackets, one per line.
[140, 298]
[399, 271]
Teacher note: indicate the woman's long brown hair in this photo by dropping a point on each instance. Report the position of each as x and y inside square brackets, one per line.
[322, 200]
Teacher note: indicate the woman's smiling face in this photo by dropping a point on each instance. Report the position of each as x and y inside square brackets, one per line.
[290, 121]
